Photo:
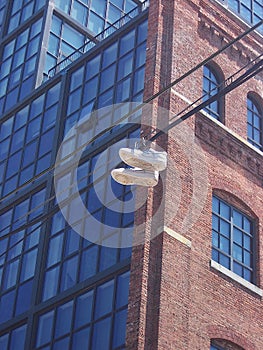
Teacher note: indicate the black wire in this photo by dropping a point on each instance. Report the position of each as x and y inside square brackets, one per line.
[205, 61]
[218, 86]
[159, 93]
[248, 75]
[257, 68]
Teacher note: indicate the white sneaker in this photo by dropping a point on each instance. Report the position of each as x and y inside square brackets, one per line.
[135, 177]
[148, 160]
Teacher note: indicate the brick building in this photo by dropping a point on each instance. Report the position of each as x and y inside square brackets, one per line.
[193, 280]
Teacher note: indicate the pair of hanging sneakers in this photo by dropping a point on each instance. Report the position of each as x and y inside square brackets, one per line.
[146, 163]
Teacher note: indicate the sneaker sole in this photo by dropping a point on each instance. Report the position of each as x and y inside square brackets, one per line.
[126, 179]
[134, 161]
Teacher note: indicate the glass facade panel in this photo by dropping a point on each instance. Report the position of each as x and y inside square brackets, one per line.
[63, 41]
[97, 312]
[18, 266]
[71, 287]
[96, 14]
[16, 80]
[25, 134]
[104, 85]
[71, 258]
[14, 339]
[22, 10]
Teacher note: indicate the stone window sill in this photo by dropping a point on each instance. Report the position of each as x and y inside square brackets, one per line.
[236, 278]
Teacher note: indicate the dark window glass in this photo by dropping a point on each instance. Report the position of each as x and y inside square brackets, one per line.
[84, 319]
[101, 327]
[211, 86]
[19, 255]
[249, 10]
[232, 239]
[28, 132]
[254, 124]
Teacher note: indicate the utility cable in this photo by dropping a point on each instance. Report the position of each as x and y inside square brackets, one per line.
[257, 68]
[197, 108]
[242, 79]
[159, 93]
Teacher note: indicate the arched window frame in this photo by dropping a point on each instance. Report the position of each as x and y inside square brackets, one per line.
[212, 84]
[254, 121]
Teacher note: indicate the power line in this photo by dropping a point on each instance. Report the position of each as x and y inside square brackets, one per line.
[179, 120]
[159, 93]
[257, 68]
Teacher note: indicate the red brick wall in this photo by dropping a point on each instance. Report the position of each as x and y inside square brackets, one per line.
[177, 301]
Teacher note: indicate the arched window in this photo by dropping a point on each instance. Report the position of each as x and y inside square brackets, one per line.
[211, 86]
[254, 123]
[233, 239]
[222, 344]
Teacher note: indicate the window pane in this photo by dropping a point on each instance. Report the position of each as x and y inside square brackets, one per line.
[4, 341]
[64, 317]
[45, 325]
[127, 42]
[18, 338]
[7, 306]
[102, 327]
[62, 344]
[104, 299]
[234, 238]
[83, 309]
[81, 339]
[119, 328]
[224, 260]
[51, 283]
[28, 266]
[122, 289]
[24, 297]
[69, 273]
[89, 263]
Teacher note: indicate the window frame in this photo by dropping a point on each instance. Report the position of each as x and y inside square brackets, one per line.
[253, 252]
[256, 110]
[214, 70]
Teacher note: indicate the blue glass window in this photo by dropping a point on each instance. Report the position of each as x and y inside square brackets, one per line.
[63, 41]
[213, 347]
[18, 266]
[254, 123]
[16, 78]
[71, 258]
[29, 131]
[251, 11]
[98, 14]
[112, 76]
[2, 11]
[96, 312]
[22, 10]
[232, 239]
[14, 339]
[211, 86]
